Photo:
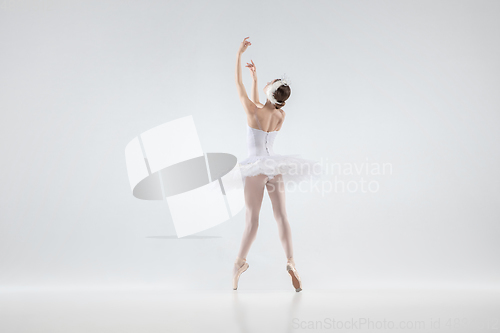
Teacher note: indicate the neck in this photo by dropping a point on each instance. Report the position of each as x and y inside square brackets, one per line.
[269, 106]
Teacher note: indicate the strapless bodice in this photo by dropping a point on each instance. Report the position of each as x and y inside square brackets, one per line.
[259, 142]
[263, 160]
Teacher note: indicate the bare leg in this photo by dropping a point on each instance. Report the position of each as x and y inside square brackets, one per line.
[254, 193]
[276, 189]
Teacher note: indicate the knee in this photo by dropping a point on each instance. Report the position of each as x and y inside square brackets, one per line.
[251, 227]
[280, 217]
[252, 218]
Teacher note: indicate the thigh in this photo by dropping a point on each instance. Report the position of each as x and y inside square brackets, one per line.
[254, 190]
[276, 190]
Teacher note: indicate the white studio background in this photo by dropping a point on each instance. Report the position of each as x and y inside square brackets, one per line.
[410, 83]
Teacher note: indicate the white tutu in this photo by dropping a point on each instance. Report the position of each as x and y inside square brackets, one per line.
[292, 167]
[262, 160]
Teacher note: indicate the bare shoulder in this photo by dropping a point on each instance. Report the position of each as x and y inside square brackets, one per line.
[281, 120]
[250, 109]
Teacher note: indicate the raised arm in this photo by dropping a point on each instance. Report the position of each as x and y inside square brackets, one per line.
[255, 89]
[248, 105]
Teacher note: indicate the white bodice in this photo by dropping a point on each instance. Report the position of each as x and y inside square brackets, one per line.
[263, 160]
[260, 143]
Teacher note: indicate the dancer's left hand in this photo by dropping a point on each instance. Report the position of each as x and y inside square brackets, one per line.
[244, 45]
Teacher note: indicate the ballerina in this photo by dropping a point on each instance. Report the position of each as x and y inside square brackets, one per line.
[264, 169]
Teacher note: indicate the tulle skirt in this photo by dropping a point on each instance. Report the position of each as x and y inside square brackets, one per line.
[292, 167]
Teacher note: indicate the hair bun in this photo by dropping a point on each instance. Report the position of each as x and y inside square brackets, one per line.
[279, 105]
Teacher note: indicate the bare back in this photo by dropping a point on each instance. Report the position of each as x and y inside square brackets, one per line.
[265, 120]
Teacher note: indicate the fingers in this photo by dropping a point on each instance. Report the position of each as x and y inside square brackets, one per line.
[250, 65]
[245, 42]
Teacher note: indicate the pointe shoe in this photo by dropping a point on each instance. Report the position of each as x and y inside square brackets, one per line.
[242, 266]
[290, 267]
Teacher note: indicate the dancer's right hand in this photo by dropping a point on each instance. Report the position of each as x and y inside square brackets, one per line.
[253, 70]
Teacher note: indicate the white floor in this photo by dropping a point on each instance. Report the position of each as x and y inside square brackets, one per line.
[249, 311]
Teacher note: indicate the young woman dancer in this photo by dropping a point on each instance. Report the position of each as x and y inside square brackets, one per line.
[265, 169]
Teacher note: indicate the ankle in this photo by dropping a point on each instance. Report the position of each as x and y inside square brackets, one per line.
[239, 260]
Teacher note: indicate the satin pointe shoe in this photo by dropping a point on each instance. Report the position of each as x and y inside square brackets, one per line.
[240, 265]
[290, 267]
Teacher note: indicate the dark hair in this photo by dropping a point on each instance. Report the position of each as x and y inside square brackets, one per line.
[281, 95]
